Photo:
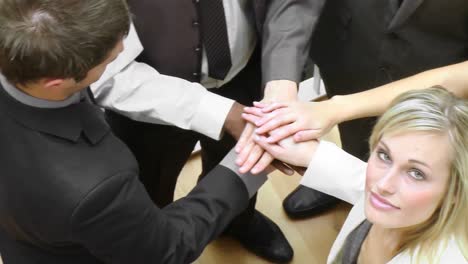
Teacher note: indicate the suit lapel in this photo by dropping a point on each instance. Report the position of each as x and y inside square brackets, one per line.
[407, 8]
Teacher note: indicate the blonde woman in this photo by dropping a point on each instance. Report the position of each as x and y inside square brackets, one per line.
[411, 198]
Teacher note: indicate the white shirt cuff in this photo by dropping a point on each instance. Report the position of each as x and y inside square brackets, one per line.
[335, 172]
[211, 115]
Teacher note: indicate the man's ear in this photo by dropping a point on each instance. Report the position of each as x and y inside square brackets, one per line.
[53, 83]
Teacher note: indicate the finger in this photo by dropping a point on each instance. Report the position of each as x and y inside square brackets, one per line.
[244, 153]
[282, 167]
[245, 137]
[254, 156]
[307, 135]
[299, 170]
[273, 106]
[253, 119]
[274, 149]
[260, 104]
[262, 163]
[269, 116]
[274, 123]
[254, 111]
[283, 132]
[264, 119]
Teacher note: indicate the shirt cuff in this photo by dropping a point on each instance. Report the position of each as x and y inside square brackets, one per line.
[335, 172]
[211, 115]
[252, 182]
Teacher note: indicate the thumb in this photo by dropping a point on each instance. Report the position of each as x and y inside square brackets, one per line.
[307, 135]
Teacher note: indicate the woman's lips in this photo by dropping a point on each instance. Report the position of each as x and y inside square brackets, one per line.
[381, 203]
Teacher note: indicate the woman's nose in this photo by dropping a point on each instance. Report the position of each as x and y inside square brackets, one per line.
[387, 184]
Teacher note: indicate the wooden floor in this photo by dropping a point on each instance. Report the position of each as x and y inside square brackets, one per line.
[311, 239]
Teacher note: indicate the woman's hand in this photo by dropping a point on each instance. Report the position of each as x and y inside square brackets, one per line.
[302, 120]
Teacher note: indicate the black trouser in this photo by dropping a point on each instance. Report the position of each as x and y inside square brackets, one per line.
[162, 151]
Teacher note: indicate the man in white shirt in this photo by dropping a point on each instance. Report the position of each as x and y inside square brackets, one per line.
[171, 91]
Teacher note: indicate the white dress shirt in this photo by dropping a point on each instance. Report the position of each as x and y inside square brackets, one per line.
[242, 40]
[140, 92]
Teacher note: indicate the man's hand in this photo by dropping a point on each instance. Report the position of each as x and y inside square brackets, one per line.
[234, 123]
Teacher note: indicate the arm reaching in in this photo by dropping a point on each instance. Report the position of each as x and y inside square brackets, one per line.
[311, 120]
[285, 47]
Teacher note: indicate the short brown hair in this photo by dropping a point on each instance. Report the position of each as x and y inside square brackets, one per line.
[58, 38]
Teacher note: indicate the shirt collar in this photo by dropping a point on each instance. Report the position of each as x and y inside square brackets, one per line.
[36, 102]
[67, 122]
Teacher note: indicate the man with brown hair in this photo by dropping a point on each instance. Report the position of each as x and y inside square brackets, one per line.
[69, 191]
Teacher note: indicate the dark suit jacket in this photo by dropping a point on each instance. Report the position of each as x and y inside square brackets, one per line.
[69, 193]
[361, 44]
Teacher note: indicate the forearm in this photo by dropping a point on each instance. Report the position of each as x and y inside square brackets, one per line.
[141, 93]
[375, 101]
[345, 181]
[287, 31]
[280, 91]
[177, 233]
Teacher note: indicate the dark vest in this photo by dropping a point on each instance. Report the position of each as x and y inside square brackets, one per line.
[170, 33]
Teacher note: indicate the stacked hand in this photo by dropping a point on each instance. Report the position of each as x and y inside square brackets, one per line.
[252, 156]
[275, 128]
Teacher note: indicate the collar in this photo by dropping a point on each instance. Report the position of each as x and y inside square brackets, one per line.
[68, 122]
[33, 101]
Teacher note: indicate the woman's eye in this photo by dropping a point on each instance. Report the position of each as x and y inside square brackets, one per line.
[417, 174]
[383, 156]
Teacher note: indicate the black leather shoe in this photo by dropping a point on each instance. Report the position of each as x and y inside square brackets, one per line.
[265, 239]
[306, 202]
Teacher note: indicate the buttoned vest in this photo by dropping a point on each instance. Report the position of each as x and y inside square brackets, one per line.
[170, 33]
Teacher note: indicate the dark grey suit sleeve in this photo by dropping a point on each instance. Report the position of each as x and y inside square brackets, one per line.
[118, 222]
[286, 36]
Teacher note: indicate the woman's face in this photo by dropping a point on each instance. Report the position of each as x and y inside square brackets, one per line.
[407, 177]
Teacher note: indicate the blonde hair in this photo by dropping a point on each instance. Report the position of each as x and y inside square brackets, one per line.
[435, 110]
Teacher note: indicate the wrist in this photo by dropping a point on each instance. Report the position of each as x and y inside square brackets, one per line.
[234, 123]
[280, 90]
[341, 108]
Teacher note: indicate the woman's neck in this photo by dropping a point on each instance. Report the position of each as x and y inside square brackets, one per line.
[380, 245]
